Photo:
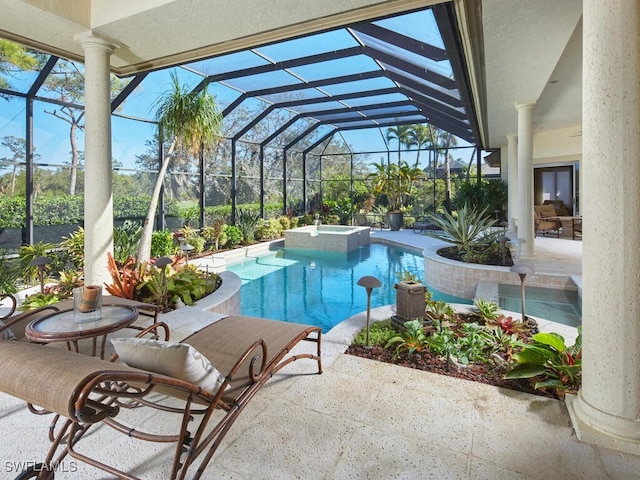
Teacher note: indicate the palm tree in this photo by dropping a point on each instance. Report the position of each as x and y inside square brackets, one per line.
[447, 140]
[192, 120]
[421, 136]
[401, 134]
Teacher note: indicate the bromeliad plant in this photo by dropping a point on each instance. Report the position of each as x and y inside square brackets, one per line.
[550, 363]
[412, 340]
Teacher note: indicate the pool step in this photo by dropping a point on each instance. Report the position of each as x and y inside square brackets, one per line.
[488, 291]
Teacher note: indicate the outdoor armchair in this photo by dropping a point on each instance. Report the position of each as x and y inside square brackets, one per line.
[546, 220]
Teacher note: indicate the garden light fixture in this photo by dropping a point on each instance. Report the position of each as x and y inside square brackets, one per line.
[186, 248]
[40, 262]
[369, 283]
[522, 269]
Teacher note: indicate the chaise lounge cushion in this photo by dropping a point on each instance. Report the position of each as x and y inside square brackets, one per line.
[177, 360]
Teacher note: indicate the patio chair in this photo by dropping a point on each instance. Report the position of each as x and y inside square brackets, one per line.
[92, 392]
[546, 220]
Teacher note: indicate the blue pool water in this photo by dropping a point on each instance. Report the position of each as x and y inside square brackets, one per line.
[557, 305]
[319, 288]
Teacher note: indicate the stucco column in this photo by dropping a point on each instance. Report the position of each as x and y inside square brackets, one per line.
[525, 179]
[607, 409]
[98, 198]
[512, 181]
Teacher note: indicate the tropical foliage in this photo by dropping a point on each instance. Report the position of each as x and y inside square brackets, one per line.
[487, 342]
[550, 363]
[396, 181]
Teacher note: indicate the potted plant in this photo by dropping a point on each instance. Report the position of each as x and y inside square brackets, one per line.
[395, 181]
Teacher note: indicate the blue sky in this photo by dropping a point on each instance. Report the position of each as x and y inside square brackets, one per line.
[51, 135]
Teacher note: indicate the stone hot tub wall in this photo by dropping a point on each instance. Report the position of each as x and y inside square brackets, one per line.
[332, 238]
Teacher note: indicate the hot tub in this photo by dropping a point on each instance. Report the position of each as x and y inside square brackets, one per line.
[331, 238]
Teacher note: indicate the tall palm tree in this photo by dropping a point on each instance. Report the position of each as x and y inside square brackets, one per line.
[401, 134]
[447, 140]
[192, 120]
[421, 136]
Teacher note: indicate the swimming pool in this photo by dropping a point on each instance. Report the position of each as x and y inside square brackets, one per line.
[319, 287]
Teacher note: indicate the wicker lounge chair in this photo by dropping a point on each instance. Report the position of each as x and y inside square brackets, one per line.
[247, 350]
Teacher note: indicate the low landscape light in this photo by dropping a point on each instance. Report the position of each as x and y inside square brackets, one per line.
[369, 283]
[522, 269]
[40, 262]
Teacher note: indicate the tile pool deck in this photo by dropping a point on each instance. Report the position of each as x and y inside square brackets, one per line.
[367, 420]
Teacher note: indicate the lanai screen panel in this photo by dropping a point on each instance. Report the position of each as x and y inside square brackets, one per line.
[382, 70]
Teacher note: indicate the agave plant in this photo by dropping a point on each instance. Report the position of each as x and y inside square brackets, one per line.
[247, 221]
[471, 228]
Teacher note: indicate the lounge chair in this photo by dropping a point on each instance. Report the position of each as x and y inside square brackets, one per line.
[247, 350]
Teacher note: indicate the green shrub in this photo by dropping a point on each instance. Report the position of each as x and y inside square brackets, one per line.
[9, 273]
[412, 339]
[247, 220]
[379, 334]
[285, 222]
[12, 212]
[549, 361]
[213, 233]
[30, 273]
[71, 249]
[162, 243]
[234, 236]
[187, 284]
[197, 243]
[268, 229]
[125, 240]
[37, 300]
[58, 210]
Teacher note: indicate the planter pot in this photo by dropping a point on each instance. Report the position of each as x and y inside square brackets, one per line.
[396, 220]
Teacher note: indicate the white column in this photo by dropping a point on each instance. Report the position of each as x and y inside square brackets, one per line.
[98, 198]
[607, 409]
[512, 181]
[525, 179]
